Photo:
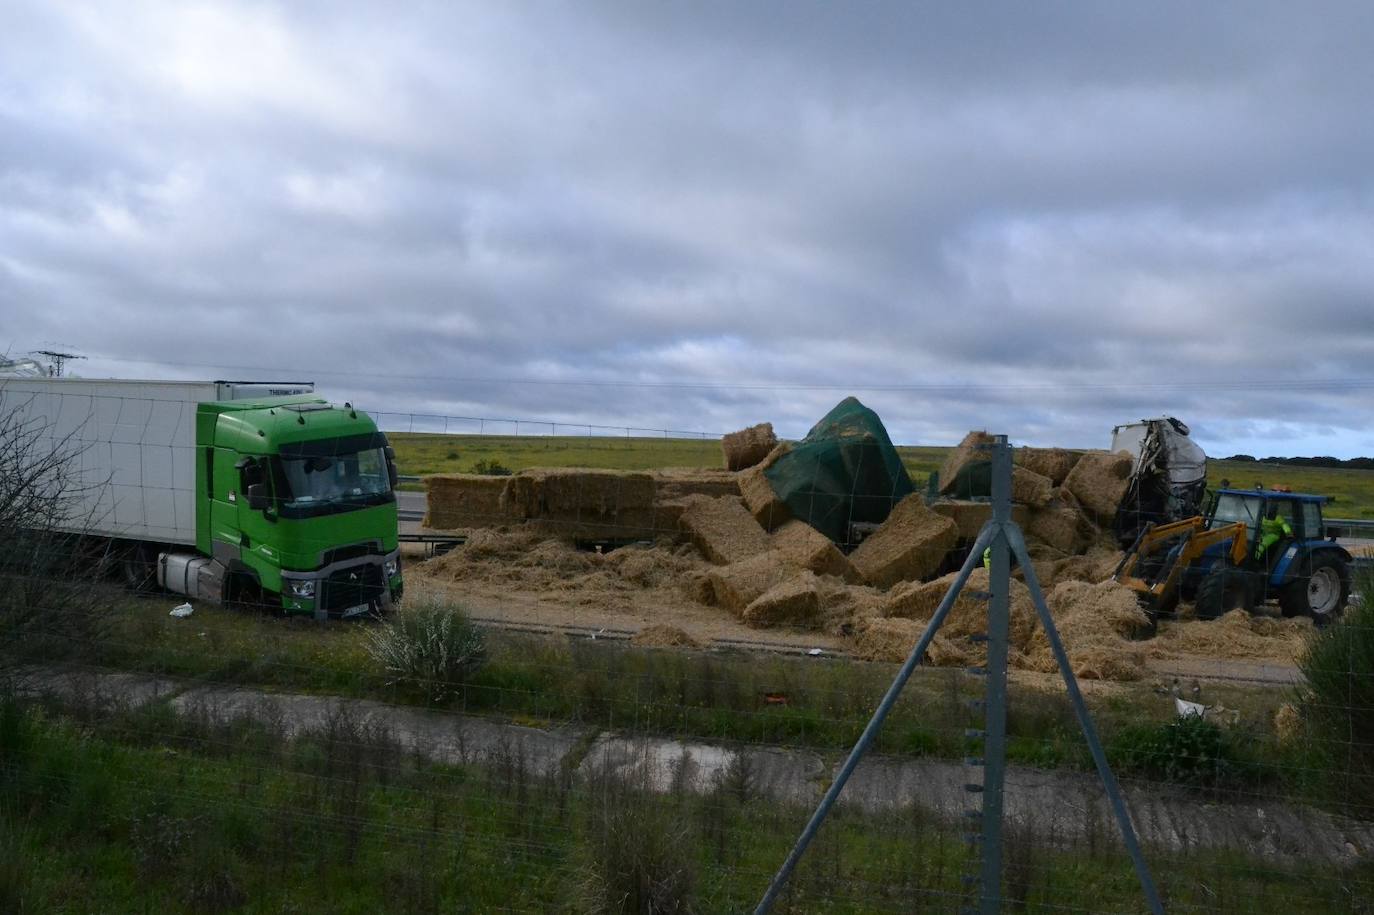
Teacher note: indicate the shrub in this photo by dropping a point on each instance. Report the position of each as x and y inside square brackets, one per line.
[491, 468]
[1338, 707]
[1189, 751]
[429, 645]
[641, 850]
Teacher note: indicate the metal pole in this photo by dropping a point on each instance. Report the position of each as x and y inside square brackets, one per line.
[1080, 708]
[879, 716]
[995, 739]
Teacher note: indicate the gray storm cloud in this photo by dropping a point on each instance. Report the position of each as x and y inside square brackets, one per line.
[696, 216]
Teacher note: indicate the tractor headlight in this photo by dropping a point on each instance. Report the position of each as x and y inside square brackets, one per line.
[302, 588]
[392, 567]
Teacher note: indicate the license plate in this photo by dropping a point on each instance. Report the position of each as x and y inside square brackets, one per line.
[357, 611]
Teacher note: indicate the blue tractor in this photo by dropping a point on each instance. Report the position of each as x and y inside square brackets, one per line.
[1251, 546]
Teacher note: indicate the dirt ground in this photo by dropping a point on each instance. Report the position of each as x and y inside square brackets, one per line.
[521, 579]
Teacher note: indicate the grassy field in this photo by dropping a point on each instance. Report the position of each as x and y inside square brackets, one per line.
[149, 811]
[419, 454]
[714, 696]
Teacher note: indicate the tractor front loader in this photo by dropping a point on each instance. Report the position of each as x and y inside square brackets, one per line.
[1155, 563]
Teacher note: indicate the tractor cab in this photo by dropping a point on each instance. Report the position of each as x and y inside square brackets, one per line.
[1273, 520]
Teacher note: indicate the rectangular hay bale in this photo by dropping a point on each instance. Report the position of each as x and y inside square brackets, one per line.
[1098, 481]
[796, 601]
[747, 447]
[723, 529]
[739, 584]
[759, 495]
[910, 545]
[463, 500]
[807, 548]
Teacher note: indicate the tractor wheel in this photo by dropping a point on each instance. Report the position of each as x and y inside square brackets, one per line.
[1221, 591]
[1322, 594]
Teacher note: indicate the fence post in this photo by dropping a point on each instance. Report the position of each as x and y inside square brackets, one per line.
[995, 728]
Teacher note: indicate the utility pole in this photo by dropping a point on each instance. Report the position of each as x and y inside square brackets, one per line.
[59, 360]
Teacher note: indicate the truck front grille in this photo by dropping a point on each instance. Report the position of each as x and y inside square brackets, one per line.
[352, 587]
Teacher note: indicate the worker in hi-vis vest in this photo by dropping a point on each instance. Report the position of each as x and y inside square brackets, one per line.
[1272, 530]
[987, 559]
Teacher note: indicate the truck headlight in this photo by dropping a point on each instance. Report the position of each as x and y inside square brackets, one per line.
[304, 588]
[391, 567]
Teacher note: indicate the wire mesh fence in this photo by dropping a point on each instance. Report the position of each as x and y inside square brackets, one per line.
[663, 670]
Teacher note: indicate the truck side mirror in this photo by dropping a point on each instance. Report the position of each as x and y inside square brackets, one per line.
[257, 497]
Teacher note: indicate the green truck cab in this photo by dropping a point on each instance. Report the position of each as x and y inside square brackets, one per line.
[296, 503]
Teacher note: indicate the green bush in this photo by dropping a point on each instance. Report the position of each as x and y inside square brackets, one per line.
[1190, 751]
[430, 646]
[491, 468]
[1338, 707]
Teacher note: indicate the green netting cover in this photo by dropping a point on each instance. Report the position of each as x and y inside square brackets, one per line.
[845, 470]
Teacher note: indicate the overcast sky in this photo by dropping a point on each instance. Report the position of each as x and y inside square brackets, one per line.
[1042, 219]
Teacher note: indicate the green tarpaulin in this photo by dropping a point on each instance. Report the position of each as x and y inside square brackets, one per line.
[844, 471]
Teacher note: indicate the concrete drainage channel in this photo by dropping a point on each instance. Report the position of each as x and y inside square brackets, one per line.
[1059, 806]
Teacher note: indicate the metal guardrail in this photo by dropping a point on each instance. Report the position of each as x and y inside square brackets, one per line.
[1357, 528]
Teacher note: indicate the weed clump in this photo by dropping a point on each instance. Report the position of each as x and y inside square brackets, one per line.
[430, 646]
[1338, 708]
[1189, 751]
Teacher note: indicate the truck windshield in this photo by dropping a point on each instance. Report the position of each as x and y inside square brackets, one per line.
[1232, 508]
[344, 480]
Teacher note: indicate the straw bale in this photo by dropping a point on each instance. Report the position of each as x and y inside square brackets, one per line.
[1061, 524]
[673, 483]
[1029, 487]
[892, 640]
[747, 447]
[573, 491]
[661, 635]
[629, 524]
[969, 614]
[739, 584]
[1098, 481]
[1097, 624]
[454, 500]
[969, 517]
[762, 501]
[722, 529]
[795, 600]
[804, 547]
[911, 544]
[966, 452]
[1054, 463]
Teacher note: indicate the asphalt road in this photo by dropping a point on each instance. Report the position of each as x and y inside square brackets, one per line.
[410, 510]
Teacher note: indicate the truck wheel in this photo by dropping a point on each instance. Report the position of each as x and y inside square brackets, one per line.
[1322, 594]
[242, 592]
[136, 569]
[1221, 591]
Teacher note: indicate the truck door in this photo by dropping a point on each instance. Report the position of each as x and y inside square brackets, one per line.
[226, 494]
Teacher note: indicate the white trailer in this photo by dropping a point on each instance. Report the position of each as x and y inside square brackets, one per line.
[133, 446]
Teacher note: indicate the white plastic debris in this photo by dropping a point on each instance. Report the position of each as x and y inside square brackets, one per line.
[1188, 709]
[815, 652]
[182, 611]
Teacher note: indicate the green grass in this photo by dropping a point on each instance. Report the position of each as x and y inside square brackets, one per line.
[713, 696]
[1352, 490]
[145, 811]
[421, 453]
